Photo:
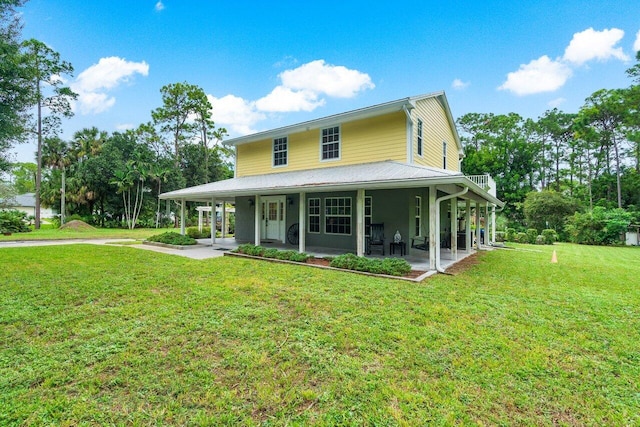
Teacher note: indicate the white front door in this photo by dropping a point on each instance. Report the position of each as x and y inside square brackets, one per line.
[273, 218]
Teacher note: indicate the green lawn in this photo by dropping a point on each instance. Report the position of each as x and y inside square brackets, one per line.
[117, 335]
[98, 233]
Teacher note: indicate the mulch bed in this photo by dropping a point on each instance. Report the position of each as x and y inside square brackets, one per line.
[463, 265]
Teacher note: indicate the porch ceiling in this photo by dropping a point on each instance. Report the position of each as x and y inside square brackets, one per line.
[377, 175]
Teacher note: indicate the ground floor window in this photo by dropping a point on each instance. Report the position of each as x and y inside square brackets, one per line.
[314, 215]
[337, 215]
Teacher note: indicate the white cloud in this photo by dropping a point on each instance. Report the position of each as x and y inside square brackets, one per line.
[458, 84]
[283, 100]
[93, 83]
[234, 113]
[109, 73]
[333, 80]
[555, 103]
[159, 6]
[94, 102]
[302, 89]
[124, 126]
[636, 44]
[590, 44]
[539, 75]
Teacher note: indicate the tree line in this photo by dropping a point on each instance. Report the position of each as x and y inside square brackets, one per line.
[99, 176]
[590, 158]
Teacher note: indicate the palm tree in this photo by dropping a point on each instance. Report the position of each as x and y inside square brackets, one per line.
[159, 173]
[87, 143]
[55, 155]
[132, 175]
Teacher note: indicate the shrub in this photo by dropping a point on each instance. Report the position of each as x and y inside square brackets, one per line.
[539, 239]
[599, 227]
[550, 236]
[194, 233]
[172, 238]
[521, 238]
[500, 236]
[510, 236]
[391, 266]
[532, 235]
[548, 209]
[270, 253]
[13, 221]
[259, 251]
[250, 249]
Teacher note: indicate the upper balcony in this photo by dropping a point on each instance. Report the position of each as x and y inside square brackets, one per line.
[485, 182]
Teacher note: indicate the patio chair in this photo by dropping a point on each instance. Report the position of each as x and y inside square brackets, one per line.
[376, 237]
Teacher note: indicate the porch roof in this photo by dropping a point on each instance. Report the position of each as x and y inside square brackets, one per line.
[376, 175]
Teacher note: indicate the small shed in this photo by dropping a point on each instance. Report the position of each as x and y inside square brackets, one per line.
[633, 235]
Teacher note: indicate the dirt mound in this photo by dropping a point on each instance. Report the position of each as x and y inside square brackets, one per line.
[77, 225]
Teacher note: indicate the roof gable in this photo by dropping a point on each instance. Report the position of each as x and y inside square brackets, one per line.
[349, 116]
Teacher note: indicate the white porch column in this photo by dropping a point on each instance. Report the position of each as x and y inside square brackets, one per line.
[487, 224]
[200, 220]
[257, 222]
[434, 227]
[467, 225]
[302, 223]
[360, 222]
[493, 224]
[182, 218]
[213, 221]
[223, 231]
[454, 229]
[478, 225]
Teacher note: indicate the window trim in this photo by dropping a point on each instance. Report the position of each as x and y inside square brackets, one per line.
[349, 215]
[273, 151]
[332, 159]
[310, 214]
[368, 199]
[417, 215]
[419, 138]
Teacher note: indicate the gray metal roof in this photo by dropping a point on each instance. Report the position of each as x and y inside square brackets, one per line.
[26, 200]
[376, 175]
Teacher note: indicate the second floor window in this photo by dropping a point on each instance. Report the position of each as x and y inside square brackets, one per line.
[280, 151]
[444, 154]
[330, 143]
[419, 139]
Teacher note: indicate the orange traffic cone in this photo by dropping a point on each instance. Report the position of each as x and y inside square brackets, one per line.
[554, 258]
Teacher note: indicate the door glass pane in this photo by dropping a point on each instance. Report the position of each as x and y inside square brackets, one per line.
[273, 211]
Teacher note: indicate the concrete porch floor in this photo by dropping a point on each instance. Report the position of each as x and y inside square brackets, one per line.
[417, 261]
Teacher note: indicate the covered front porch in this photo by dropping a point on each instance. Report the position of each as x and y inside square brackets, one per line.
[331, 211]
[417, 262]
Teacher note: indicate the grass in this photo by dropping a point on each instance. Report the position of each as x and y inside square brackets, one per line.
[98, 233]
[116, 335]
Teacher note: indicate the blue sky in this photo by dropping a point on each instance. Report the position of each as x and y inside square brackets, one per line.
[267, 65]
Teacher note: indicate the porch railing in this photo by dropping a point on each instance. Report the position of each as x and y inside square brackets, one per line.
[485, 182]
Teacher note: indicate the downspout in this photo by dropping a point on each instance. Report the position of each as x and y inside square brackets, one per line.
[409, 134]
[439, 268]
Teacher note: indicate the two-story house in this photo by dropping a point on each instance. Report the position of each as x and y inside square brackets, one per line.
[323, 182]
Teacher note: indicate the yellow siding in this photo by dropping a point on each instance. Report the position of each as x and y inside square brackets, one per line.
[435, 130]
[368, 140]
